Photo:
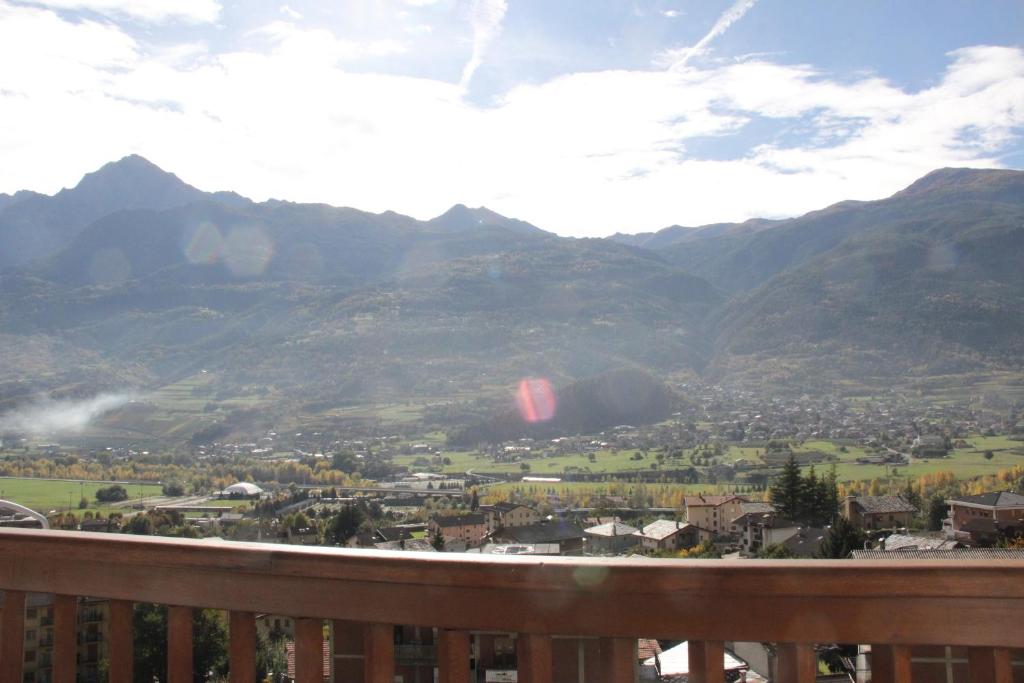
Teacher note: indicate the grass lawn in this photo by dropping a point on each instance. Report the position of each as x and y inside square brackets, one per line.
[44, 495]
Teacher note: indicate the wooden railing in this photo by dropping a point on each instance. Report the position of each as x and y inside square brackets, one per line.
[795, 604]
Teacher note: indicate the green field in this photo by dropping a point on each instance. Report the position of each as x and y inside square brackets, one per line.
[44, 495]
[965, 463]
[605, 462]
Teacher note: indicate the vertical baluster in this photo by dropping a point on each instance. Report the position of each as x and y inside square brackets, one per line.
[453, 656]
[12, 637]
[890, 663]
[698, 664]
[798, 663]
[121, 646]
[534, 658]
[243, 647]
[379, 653]
[309, 651]
[619, 659]
[65, 634]
[179, 644]
[714, 661]
[990, 665]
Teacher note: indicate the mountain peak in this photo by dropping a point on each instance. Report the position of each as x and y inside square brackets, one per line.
[963, 179]
[461, 218]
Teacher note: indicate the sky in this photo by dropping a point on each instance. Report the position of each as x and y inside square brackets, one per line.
[584, 117]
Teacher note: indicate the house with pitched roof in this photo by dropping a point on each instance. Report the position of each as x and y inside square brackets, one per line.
[877, 512]
[612, 537]
[985, 517]
[713, 512]
[671, 535]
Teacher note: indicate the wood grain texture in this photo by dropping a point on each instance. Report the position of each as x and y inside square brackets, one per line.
[309, 650]
[453, 656]
[533, 658]
[12, 635]
[618, 660]
[850, 601]
[122, 649]
[798, 663]
[242, 649]
[179, 644]
[379, 653]
[65, 638]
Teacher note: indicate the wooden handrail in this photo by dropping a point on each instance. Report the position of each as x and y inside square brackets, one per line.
[906, 602]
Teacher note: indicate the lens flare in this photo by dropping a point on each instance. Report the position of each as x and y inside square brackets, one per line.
[536, 400]
[247, 251]
[205, 245]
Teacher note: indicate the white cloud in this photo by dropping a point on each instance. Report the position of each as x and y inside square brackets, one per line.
[485, 16]
[289, 12]
[197, 11]
[671, 13]
[586, 153]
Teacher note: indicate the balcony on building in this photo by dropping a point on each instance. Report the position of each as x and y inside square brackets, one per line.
[460, 617]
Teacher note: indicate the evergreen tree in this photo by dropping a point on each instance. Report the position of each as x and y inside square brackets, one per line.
[785, 491]
[474, 503]
[438, 541]
[842, 538]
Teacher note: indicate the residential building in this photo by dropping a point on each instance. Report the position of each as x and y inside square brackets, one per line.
[757, 531]
[671, 535]
[568, 536]
[507, 515]
[877, 512]
[713, 512]
[985, 517]
[613, 537]
[470, 530]
[806, 542]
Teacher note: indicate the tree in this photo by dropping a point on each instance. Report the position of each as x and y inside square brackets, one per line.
[438, 541]
[776, 551]
[843, 538]
[111, 494]
[474, 503]
[937, 511]
[173, 488]
[83, 503]
[989, 455]
[787, 489]
[344, 525]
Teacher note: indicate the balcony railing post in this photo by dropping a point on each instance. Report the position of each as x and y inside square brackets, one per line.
[618, 661]
[534, 658]
[798, 663]
[990, 665]
[453, 656]
[65, 627]
[707, 661]
[379, 653]
[12, 636]
[121, 646]
[179, 644]
[242, 632]
[309, 650]
[890, 663]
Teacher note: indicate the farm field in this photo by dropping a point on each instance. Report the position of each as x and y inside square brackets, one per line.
[964, 463]
[44, 495]
[605, 462]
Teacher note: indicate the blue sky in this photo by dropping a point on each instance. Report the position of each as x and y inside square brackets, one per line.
[584, 117]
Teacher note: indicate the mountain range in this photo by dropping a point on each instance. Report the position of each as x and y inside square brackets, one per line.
[135, 278]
